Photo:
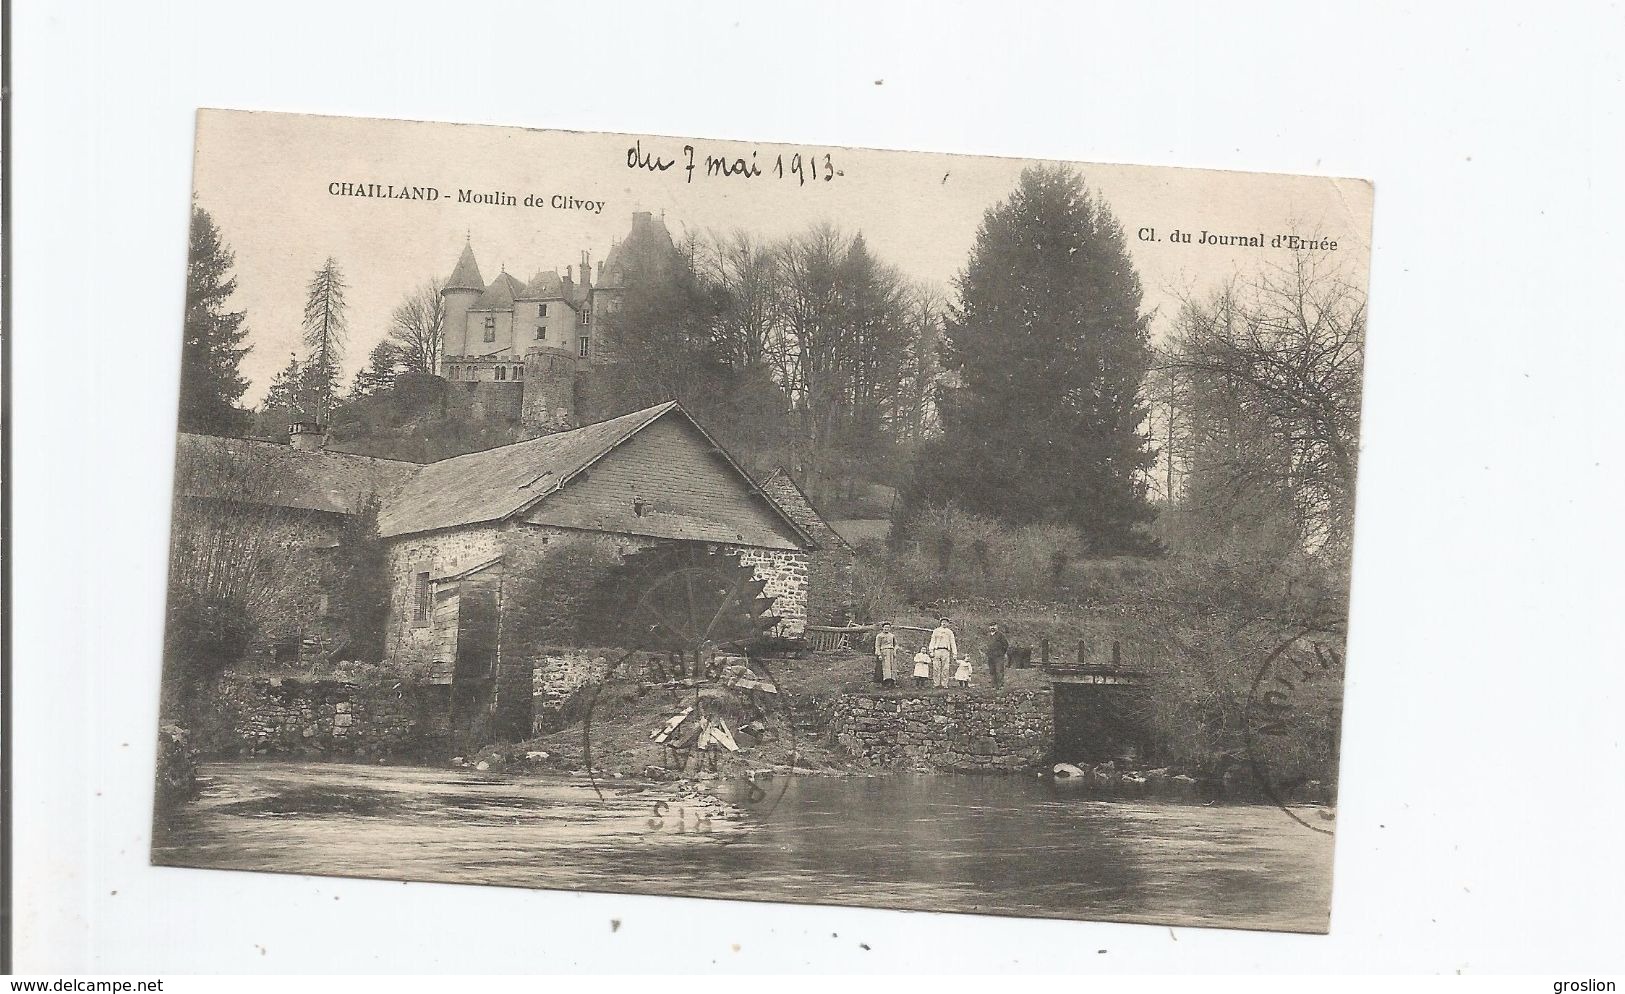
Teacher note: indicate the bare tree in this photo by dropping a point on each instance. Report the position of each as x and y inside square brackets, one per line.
[745, 272]
[1273, 368]
[239, 567]
[418, 327]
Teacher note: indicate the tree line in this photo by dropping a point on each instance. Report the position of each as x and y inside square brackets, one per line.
[1028, 392]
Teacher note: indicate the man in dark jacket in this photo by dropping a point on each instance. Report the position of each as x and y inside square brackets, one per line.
[998, 653]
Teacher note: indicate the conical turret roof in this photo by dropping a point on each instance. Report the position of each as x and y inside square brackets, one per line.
[467, 274]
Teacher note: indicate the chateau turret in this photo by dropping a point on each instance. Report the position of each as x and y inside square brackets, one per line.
[460, 292]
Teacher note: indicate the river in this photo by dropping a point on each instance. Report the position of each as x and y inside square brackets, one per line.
[989, 844]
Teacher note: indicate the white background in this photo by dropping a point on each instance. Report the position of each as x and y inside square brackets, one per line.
[1482, 789]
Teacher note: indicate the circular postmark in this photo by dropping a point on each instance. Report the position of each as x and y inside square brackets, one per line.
[715, 709]
[1295, 672]
[693, 619]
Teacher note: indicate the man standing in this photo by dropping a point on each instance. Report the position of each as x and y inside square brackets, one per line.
[998, 654]
[944, 649]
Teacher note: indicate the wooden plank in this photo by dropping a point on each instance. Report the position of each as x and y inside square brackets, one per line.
[752, 683]
[723, 737]
[661, 735]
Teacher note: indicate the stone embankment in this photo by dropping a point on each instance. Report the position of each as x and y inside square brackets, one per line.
[971, 731]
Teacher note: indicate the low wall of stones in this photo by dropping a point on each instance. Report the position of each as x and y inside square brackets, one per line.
[557, 680]
[963, 732]
[247, 715]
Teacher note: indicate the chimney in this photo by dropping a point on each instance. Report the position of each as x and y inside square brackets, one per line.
[586, 268]
[307, 436]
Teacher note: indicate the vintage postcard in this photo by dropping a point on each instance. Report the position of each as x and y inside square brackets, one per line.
[762, 522]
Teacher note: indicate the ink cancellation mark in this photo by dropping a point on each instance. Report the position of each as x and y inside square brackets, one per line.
[1274, 704]
[695, 734]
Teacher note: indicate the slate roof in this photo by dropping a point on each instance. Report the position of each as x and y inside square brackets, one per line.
[649, 241]
[475, 488]
[495, 483]
[544, 286]
[467, 274]
[499, 295]
[274, 475]
[787, 493]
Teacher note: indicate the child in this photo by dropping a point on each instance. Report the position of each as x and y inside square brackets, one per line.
[962, 674]
[922, 668]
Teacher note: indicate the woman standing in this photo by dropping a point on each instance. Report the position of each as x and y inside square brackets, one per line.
[886, 652]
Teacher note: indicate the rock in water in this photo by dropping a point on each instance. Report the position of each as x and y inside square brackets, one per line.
[1066, 771]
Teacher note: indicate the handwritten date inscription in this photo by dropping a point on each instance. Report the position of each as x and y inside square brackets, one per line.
[803, 167]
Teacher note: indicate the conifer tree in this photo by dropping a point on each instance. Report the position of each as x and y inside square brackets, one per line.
[212, 344]
[385, 362]
[1050, 350]
[326, 331]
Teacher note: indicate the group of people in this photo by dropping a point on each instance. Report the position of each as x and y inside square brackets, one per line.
[932, 662]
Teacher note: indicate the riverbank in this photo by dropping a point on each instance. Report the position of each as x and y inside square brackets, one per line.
[828, 717]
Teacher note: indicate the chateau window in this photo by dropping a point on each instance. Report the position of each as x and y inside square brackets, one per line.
[584, 346]
[541, 332]
[586, 316]
[541, 310]
[491, 328]
[420, 597]
[519, 372]
[502, 372]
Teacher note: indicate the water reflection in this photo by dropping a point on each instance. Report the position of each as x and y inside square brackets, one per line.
[1002, 845]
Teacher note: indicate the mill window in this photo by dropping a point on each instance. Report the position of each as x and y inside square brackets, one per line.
[584, 347]
[586, 315]
[491, 328]
[541, 332]
[519, 372]
[420, 597]
[541, 310]
[502, 372]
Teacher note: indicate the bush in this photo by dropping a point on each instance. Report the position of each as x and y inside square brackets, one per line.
[551, 592]
[1211, 624]
[948, 552]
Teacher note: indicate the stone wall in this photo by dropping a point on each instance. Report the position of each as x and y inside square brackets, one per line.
[965, 731]
[557, 680]
[829, 568]
[248, 715]
[415, 645]
[485, 400]
[550, 398]
[786, 574]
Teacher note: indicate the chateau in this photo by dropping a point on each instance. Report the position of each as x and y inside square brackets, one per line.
[537, 337]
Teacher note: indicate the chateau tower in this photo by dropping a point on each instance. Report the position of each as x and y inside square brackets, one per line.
[550, 389]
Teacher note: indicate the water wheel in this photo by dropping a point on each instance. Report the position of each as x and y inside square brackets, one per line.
[689, 601]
